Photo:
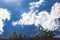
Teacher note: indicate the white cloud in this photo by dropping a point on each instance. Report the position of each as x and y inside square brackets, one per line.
[28, 15]
[51, 24]
[43, 18]
[36, 4]
[4, 14]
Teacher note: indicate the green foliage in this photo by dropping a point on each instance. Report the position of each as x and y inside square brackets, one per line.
[20, 35]
[44, 33]
[13, 35]
[34, 33]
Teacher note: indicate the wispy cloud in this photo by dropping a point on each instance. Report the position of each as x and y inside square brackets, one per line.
[44, 18]
[36, 4]
[4, 14]
[12, 2]
[8, 1]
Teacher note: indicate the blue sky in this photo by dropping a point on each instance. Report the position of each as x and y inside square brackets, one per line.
[16, 8]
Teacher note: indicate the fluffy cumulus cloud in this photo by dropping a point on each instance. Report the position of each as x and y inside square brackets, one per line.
[33, 5]
[4, 14]
[53, 20]
[49, 21]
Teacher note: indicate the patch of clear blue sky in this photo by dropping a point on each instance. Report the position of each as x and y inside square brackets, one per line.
[16, 11]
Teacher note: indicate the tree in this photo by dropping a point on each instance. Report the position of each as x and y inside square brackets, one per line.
[46, 33]
[35, 35]
[13, 35]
